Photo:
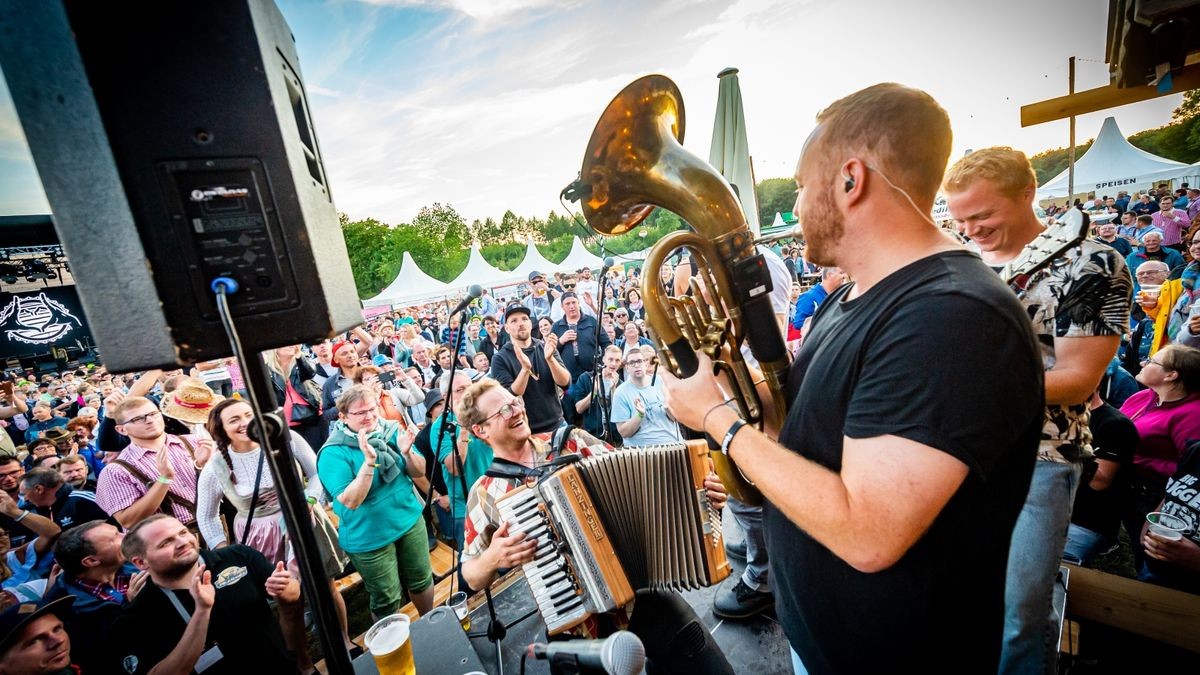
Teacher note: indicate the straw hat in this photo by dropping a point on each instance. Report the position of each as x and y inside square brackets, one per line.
[191, 402]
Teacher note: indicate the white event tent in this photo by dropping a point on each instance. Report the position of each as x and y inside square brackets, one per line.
[1112, 164]
[534, 262]
[580, 257]
[478, 271]
[410, 285]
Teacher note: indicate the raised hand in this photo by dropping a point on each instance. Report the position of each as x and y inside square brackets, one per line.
[136, 583]
[523, 359]
[202, 589]
[279, 581]
[8, 506]
[369, 454]
[112, 401]
[163, 462]
[550, 345]
[204, 451]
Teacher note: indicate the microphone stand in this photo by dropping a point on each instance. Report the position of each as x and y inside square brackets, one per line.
[598, 361]
[496, 631]
[271, 433]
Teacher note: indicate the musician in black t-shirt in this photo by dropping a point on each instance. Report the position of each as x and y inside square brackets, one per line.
[915, 410]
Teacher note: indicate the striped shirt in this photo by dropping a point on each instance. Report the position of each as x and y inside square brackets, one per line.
[117, 489]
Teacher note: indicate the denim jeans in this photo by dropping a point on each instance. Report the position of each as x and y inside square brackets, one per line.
[750, 519]
[1030, 620]
[1083, 545]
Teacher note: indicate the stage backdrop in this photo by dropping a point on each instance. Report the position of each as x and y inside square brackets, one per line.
[39, 320]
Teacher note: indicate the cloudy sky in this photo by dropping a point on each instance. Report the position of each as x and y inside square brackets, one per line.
[487, 104]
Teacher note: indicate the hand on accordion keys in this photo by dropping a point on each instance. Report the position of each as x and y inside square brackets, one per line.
[510, 550]
[715, 489]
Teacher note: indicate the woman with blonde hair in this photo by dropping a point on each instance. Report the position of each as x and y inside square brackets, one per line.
[296, 389]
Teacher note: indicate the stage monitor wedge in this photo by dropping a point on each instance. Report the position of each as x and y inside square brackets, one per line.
[176, 145]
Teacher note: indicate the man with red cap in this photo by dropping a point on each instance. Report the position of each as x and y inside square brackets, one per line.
[345, 357]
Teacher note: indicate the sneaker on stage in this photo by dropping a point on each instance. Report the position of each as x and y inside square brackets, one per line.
[741, 601]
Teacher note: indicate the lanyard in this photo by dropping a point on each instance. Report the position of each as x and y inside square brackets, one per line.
[187, 618]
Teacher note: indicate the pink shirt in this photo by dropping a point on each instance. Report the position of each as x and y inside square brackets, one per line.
[1173, 225]
[117, 489]
[1165, 431]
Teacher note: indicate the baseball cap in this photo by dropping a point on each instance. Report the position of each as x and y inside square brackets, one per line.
[517, 308]
[535, 274]
[16, 618]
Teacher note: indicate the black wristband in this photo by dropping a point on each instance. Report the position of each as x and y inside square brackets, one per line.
[733, 430]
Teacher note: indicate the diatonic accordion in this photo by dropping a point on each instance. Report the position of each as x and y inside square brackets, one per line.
[615, 523]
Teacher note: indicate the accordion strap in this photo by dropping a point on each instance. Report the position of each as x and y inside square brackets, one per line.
[502, 468]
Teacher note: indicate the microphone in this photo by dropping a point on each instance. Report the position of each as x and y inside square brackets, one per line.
[621, 654]
[608, 263]
[473, 294]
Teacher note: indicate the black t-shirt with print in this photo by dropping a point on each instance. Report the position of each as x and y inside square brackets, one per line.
[241, 623]
[940, 353]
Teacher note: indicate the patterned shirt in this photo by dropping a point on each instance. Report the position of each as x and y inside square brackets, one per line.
[114, 592]
[1084, 293]
[117, 489]
[483, 518]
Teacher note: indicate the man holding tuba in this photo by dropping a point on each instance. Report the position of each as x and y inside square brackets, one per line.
[909, 444]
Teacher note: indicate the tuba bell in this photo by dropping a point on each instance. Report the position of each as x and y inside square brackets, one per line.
[635, 163]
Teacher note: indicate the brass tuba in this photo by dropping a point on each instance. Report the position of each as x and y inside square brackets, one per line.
[634, 163]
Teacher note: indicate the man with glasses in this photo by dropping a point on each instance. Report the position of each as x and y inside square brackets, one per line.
[667, 626]
[540, 299]
[155, 473]
[638, 409]
[367, 465]
[572, 284]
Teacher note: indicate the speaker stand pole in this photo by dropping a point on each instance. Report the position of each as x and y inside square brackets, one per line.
[270, 431]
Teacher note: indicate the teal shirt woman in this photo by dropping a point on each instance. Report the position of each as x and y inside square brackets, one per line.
[367, 465]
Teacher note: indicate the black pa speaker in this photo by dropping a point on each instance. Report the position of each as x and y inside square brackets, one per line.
[176, 146]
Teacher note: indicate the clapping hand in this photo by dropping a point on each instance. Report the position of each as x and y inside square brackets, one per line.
[281, 585]
[369, 455]
[163, 462]
[202, 589]
[205, 448]
[136, 583]
[550, 346]
[523, 359]
[8, 506]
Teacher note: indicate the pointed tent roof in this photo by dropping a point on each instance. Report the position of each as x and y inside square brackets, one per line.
[478, 271]
[1112, 164]
[410, 281]
[580, 257]
[534, 262]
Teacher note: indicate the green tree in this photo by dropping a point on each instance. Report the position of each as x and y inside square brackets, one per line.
[366, 244]
[775, 195]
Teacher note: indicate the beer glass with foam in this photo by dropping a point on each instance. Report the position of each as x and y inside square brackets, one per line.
[390, 646]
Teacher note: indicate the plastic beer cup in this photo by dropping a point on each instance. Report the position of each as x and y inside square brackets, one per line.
[390, 646]
[1166, 526]
[458, 603]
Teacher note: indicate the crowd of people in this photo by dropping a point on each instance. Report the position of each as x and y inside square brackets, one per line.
[141, 530]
